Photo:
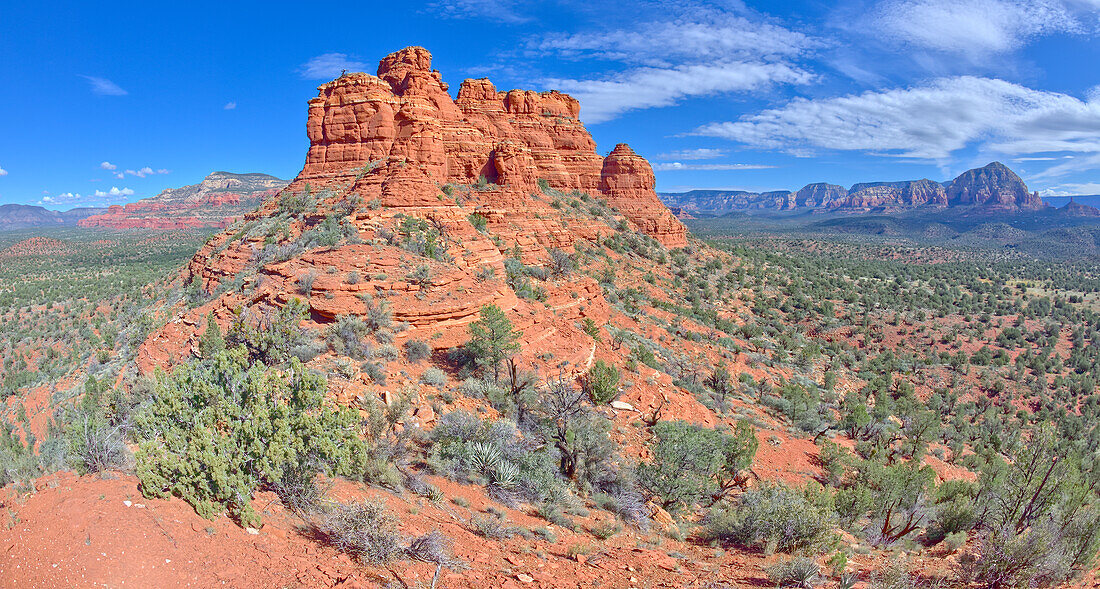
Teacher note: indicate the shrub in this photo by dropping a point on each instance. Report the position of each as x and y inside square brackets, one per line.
[954, 510]
[365, 531]
[94, 440]
[305, 283]
[605, 530]
[466, 448]
[345, 336]
[794, 572]
[561, 263]
[434, 377]
[491, 527]
[479, 221]
[601, 383]
[219, 429]
[417, 351]
[778, 517]
[1005, 558]
[893, 575]
[273, 338]
[692, 463]
[378, 315]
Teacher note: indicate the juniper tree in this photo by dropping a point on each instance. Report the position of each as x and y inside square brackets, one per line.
[492, 339]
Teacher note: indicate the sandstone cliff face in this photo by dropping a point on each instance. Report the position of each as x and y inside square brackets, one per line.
[404, 118]
[895, 194]
[993, 186]
[820, 195]
[219, 200]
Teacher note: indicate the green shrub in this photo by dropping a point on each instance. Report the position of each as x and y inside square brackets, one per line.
[479, 221]
[417, 351]
[219, 429]
[494, 453]
[601, 383]
[954, 510]
[776, 518]
[273, 338]
[693, 464]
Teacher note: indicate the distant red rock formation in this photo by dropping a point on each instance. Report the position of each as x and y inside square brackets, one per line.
[218, 201]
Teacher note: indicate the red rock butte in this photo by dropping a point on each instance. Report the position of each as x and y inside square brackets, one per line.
[404, 126]
[395, 146]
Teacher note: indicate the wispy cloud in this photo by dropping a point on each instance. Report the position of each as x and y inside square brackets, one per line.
[972, 28]
[3, 172]
[108, 166]
[677, 166]
[328, 66]
[504, 11]
[930, 122]
[230, 105]
[702, 153]
[104, 87]
[720, 38]
[651, 87]
[667, 61]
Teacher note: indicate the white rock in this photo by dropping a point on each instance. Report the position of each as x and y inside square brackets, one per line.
[622, 405]
[253, 531]
[127, 503]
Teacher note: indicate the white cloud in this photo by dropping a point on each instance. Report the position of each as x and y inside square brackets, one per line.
[723, 37]
[702, 153]
[3, 172]
[504, 11]
[678, 58]
[927, 122]
[975, 28]
[328, 66]
[677, 166]
[108, 166]
[230, 105]
[104, 87]
[114, 191]
[650, 87]
[140, 173]
[1072, 189]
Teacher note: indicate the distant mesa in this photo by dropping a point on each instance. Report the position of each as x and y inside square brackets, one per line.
[993, 187]
[17, 216]
[219, 200]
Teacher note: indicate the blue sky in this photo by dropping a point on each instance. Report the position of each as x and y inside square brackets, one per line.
[112, 103]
